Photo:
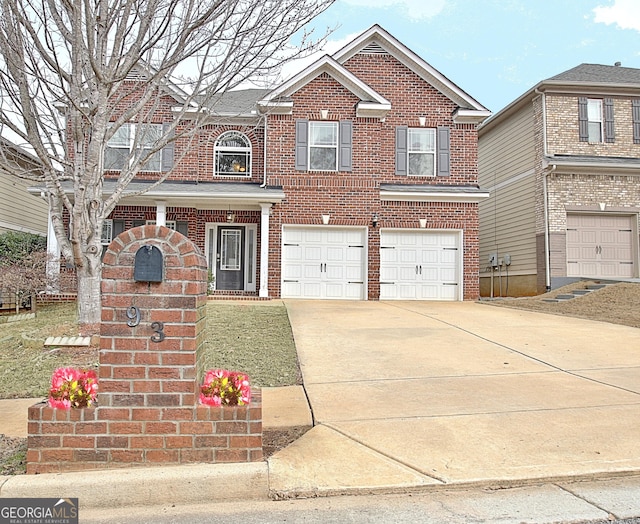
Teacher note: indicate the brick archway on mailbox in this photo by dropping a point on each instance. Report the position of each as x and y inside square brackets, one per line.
[154, 283]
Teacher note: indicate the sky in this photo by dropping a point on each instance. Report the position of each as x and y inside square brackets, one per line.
[495, 50]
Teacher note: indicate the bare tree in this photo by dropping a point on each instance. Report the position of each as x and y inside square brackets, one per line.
[65, 74]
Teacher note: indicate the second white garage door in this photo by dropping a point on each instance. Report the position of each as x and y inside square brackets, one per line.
[600, 246]
[420, 265]
[323, 262]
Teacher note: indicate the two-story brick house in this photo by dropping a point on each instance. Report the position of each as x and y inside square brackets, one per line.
[355, 179]
[562, 164]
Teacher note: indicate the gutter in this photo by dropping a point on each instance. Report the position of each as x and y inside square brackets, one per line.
[547, 249]
[264, 155]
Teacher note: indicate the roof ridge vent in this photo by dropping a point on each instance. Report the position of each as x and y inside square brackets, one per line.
[373, 49]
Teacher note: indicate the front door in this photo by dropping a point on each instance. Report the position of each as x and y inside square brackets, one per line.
[230, 258]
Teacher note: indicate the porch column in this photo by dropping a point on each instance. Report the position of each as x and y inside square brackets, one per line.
[161, 213]
[264, 250]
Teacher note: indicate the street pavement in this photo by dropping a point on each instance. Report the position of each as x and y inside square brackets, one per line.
[431, 397]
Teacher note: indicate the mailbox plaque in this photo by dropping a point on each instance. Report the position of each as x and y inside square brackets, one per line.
[148, 265]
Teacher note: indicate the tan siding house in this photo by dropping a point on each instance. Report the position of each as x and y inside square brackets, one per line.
[19, 210]
[507, 219]
[562, 163]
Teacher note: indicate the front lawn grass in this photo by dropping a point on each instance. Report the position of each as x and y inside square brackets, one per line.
[252, 337]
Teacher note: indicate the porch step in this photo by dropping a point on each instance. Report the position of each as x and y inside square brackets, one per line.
[68, 341]
[576, 293]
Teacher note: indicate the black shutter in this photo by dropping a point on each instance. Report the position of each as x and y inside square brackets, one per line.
[345, 162]
[118, 227]
[443, 148]
[609, 128]
[182, 226]
[635, 115]
[168, 150]
[302, 141]
[402, 137]
[583, 119]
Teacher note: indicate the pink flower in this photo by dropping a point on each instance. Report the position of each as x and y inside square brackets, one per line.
[223, 387]
[59, 404]
[73, 388]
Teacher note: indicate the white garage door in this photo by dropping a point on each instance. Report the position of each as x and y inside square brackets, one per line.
[323, 262]
[420, 265]
[599, 246]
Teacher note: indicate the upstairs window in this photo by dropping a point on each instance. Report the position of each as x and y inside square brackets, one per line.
[137, 139]
[232, 153]
[595, 120]
[422, 152]
[323, 146]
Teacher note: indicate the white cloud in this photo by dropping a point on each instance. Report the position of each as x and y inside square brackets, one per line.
[417, 9]
[624, 13]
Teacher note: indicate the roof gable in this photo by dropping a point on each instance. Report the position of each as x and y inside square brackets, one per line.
[371, 104]
[376, 40]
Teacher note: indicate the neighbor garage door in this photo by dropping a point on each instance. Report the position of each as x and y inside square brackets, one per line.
[323, 262]
[420, 265]
[600, 246]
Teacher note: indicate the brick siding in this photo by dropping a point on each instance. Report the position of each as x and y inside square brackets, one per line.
[147, 412]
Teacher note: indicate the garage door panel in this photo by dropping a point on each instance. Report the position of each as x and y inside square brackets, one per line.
[600, 246]
[330, 259]
[423, 263]
[311, 290]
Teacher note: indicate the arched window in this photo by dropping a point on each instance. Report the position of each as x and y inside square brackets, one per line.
[232, 155]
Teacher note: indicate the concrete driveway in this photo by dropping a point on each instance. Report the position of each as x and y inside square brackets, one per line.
[415, 394]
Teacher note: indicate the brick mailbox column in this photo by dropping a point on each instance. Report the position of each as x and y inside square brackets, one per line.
[150, 342]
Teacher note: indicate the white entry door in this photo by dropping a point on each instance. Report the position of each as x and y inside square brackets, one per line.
[420, 265]
[323, 262]
[600, 246]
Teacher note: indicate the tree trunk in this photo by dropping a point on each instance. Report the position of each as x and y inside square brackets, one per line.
[89, 303]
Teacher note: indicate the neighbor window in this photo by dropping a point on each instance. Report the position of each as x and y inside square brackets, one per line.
[232, 153]
[323, 146]
[422, 151]
[142, 137]
[594, 118]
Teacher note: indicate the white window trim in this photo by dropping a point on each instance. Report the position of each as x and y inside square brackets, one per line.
[131, 142]
[107, 232]
[334, 147]
[171, 224]
[433, 153]
[600, 121]
[246, 150]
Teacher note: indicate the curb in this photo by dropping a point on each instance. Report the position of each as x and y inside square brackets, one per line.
[187, 484]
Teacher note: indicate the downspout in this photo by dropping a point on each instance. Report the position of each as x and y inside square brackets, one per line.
[545, 203]
[264, 155]
[547, 250]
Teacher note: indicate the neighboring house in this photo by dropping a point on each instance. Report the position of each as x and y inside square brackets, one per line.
[562, 164]
[20, 211]
[355, 179]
